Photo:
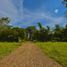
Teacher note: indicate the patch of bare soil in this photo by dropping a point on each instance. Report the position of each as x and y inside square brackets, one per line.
[28, 55]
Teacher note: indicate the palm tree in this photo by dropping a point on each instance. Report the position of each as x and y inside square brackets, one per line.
[42, 33]
[40, 25]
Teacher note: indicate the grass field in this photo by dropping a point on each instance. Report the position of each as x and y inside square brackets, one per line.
[6, 48]
[55, 50]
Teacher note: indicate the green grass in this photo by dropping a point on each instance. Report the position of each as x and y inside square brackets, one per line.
[55, 50]
[6, 48]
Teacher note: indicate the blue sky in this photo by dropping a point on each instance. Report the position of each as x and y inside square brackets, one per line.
[24, 13]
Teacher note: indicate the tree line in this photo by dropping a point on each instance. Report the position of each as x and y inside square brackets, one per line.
[10, 33]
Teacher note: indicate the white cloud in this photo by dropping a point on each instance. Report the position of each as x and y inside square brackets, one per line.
[30, 17]
[7, 8]
[22, 16]
[56, 11]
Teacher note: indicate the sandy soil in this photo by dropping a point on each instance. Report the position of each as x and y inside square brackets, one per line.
[28, 55]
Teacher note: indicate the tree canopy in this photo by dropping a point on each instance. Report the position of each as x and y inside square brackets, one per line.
[10, 33]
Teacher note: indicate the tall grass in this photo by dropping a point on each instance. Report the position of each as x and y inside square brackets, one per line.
[6, 48]
[55, 50]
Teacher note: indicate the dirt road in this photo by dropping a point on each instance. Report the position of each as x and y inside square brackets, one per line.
[28, 55]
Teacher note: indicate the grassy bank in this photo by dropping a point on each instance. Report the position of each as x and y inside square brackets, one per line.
[6, 48]
[55, 50]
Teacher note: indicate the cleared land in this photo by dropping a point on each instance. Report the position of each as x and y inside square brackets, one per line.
[55, 50]
[28, 55]
[6, 48]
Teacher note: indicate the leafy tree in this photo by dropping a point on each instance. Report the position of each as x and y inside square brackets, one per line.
[64, 34]
[43, 33]
[57, 33]
[30, 32]
[40, 25]
[4, 21]
[64, 3]
[20, 32]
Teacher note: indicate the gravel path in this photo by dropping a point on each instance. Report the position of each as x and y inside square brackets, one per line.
[28, 55]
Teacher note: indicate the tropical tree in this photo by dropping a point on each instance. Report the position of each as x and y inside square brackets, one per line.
[57, 33]
[43, 32]
[65, 2]
[30, 32]
[4, 21]
[20, 32]
[40, 25]
[64, 34]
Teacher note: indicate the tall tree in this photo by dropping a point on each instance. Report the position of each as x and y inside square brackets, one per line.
[30, 32]
[64, 3]
[4, 21]
[42, 33]
[57, 32]
[40, 25]
[64, 33]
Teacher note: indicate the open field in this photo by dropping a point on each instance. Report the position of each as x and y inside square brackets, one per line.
[28, 55]
[6, 48]
[55, 50]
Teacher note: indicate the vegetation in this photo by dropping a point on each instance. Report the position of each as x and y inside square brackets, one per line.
[55, 50]
[6, 48]
[65, 3]
[11, 34]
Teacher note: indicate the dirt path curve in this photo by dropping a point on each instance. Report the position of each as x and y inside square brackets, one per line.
[28, 55]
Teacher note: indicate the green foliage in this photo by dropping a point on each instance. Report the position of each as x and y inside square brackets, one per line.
[65, 0]
[11, 34]
[4, 21]
[30, 32]
[40, 25]
[6, 48]
[58, 33]
[64, 34]
[65, 3]
[55, 50]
